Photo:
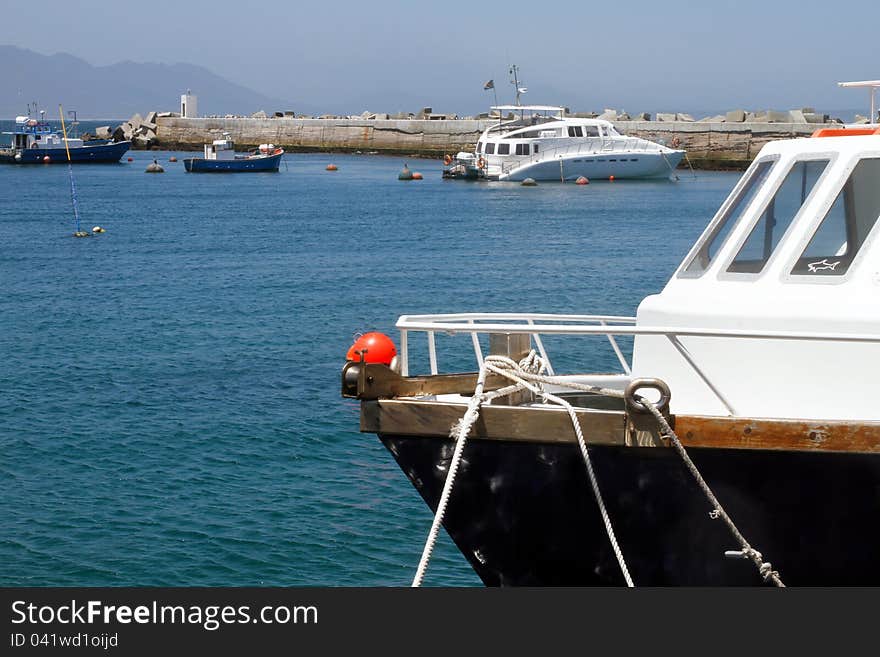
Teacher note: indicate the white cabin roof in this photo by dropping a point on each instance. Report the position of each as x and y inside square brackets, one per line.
[529, 108]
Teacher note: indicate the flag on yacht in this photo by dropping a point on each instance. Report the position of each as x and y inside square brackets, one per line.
[489, 85]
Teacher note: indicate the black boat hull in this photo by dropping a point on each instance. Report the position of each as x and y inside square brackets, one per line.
[523, 513]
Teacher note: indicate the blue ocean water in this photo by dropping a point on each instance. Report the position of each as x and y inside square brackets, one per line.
[169, 390]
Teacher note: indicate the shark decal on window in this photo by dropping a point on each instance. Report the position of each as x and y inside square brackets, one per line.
[822, 265]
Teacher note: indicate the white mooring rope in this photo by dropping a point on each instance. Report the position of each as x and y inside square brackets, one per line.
[531, 366]
[527, 375]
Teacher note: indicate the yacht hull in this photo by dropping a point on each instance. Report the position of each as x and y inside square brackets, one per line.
[598, 166]
[523, 513]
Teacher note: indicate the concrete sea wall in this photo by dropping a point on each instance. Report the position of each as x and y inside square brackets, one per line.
[709, 145]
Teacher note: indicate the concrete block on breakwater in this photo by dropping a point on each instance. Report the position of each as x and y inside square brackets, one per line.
[709, 144]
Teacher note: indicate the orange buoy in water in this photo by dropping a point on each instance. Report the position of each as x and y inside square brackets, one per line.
[417, 175]
[611, 178]
[131, 159]
[375, 347]
[47, 159]
[172, 159]
[582, 181]
[332, 167]
[447, 159]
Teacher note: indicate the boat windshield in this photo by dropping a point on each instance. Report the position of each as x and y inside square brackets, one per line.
[731, 215]
[778, 214]
[846, 226]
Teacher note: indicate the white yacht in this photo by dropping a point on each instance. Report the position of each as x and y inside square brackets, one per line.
[541, 143]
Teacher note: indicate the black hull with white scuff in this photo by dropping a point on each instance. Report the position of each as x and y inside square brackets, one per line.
[523, 513]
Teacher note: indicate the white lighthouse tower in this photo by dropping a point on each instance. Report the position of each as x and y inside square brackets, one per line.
[189, 105]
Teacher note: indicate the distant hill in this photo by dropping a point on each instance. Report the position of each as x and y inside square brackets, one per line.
[119, 90]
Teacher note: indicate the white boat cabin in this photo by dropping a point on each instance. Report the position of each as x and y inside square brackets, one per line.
[31, 133]
[785, 281]
[220, 149]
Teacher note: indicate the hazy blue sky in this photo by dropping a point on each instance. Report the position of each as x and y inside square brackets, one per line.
[387, 55]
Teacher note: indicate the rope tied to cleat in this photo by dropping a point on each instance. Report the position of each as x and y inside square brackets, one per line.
[529, 374]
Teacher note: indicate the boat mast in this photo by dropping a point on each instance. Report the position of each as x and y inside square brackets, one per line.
[515, 82]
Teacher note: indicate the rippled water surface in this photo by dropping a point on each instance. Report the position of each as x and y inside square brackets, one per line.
[169, 392]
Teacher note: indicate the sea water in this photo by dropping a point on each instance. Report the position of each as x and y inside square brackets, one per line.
[169, 390]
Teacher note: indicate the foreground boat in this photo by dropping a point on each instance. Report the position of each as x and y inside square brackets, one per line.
[740, 446]
[34, 141]
[220, 157]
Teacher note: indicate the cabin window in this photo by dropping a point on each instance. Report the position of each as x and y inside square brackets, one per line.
[535, 147]
[575, 131]
[734, 209]
[591, 131]
[522, 149]
[490, 147]
[777, 216]
[504, 149]
[531, 134]
[479, 147]
[847, 224]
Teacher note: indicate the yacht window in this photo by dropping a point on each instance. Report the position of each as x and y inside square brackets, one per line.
[844, 229]
[777, 216]
[479, 147]
[591, 131]
[535, 147]
[531, 134]
[575, 131]
[732, 213]
[522, 149]
[490, 147]
[504, 149]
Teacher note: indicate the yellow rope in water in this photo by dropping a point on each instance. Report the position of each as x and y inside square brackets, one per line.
[64, 130]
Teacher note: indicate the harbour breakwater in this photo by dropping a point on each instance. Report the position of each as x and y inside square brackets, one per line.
[710, 145]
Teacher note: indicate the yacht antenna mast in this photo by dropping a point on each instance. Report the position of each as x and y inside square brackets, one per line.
[515, 82]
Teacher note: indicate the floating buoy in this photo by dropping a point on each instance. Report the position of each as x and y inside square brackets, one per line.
[18, 157]
[374, 347]
[98, 229]
[131, 159]
[416, 175]
[332, 167]
[529, 182]
[46, 159]
[611, 178]
[82, 233]
[582, 181]
[172, 159]
[154, 167]
[405, 173]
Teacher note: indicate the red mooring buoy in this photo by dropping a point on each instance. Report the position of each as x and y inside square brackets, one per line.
[375, 347]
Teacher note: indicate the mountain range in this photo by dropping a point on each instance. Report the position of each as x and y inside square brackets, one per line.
[119, 90]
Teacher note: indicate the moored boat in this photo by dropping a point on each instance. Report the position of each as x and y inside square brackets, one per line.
[542, 143]
[34, 141]
[739, 445]
[220, 157]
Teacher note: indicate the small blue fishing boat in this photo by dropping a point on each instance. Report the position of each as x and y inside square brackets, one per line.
[220, 157]
[34, 141]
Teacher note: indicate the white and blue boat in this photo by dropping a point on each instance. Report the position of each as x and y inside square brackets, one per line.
[34, 141]
[220, 157]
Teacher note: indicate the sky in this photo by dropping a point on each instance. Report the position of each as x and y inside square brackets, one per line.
[387, 55]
